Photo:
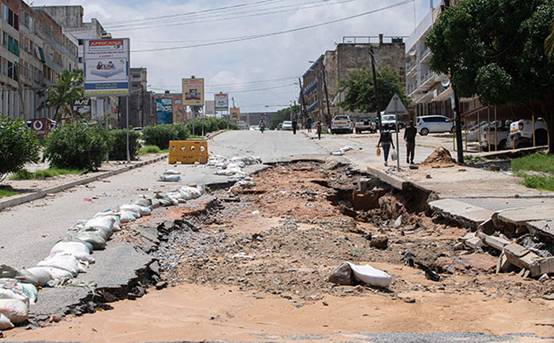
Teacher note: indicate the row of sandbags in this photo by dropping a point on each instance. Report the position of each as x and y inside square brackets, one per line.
[68, 258]
[233, 166]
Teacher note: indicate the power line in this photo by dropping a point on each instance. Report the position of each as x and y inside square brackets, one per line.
[235, 16]
[211, 91]
[252, 37]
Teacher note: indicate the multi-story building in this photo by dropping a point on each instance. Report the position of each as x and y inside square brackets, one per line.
[34, 51]
[322, 82]
[71, 19]
[430, 92]
[140, 103]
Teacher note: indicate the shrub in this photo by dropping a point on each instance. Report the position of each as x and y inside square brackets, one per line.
[42, 174]
[160, 135]
[210, 125]
[149, 149]
[18, 145]
[118, 151]
[78, 146]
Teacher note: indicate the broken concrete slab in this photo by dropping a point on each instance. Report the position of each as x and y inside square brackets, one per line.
[521, 216]
[472, 241]
[469, 215]
[523, 258]
[495, 242]
[542, 228]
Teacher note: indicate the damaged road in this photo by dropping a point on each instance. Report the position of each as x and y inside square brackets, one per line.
[252, 262]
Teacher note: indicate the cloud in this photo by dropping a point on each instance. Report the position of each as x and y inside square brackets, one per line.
[239, 64]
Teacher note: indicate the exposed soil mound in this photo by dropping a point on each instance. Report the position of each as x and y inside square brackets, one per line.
[440, 158]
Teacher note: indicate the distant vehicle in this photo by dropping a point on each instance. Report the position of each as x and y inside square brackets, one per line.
[365, 124]
[286, 125]
[434, 124]
[473, 131]
[342, 123]
[495, 136]
[388, 122]
[521, 133]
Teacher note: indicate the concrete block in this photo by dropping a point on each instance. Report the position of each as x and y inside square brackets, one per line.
[471, 240]
[495, 242]
[523, 258]
[542, 228]
[547, 265]
[521, 216]
[472, 215]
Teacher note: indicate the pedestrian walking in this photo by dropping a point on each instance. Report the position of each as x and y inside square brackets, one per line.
[318, 128]
[310, 123]
[409, 136]
[385, 142]
[294, 126]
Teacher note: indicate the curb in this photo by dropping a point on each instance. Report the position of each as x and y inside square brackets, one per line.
[57, 189]
[215, 134]
[394, 181]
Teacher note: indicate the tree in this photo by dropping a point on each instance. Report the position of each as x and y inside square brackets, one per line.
[284, 115]
[495, 49]
[359, 94]
[549, 43]
[65, 92]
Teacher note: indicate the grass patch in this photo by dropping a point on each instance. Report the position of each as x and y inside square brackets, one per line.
[151, 149]
[538, 162]
[6, 192]
[42, 174]
[537, 171]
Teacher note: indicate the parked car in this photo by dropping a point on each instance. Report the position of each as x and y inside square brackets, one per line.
[434, 124]
[286, 125]
[365, 124]
[495, 136]
[388, 122]
[342, 124]
[521, 133]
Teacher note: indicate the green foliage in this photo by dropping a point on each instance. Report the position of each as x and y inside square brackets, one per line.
[549, 43]
[539, 182]
[283, 115]
[18, 145]
[78, 146]
[118, 150]
[495, 49]
[359, 94]
[537, 162]
[7, 192]
[65, 92]
[210, 125]
[42, 174]
[160, 135]
[150, 149]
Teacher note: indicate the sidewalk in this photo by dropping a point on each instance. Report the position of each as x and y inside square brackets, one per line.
[31, 190]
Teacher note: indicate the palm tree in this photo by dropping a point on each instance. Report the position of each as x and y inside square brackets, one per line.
[65, 92]
[549, 43]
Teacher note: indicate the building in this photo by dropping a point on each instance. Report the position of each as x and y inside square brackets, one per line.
[140, 101]
[71, 19]
[33, 53]
[321, 83]
[430, 92]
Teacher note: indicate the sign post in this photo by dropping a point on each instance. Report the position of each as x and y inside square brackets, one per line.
[396, 107]
[106, 71]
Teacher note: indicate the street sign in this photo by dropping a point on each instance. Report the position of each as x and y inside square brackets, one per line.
[106, 67]
[396, 106]
[193, 92]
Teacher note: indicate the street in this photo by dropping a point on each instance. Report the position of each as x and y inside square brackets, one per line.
[268, 294]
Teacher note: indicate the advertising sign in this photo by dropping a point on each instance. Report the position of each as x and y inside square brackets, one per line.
[221, 102]
[193, 92]
[209, 108]
[106, 67]
[83, 108]
[164, 111]
[235, 113]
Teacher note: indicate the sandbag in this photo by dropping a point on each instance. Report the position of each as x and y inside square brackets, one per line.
[144, 202]
[63, 261]
[55, 273]
[170, 178]
[95, 238]
[128, 216]
[40, 275]
[189, 193]
[171, 172]
[13, 293]
[130, 207]
[371, 276]
[5, 323]
[30, 291]
[16, 311]
[105, 222]
[80, 250]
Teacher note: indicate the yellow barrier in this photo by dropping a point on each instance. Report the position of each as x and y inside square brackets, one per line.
[188, 152]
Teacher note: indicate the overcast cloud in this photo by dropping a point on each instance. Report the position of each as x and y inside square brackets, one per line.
[241, 64]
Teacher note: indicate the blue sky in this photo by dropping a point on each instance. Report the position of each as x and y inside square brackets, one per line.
[237, 68]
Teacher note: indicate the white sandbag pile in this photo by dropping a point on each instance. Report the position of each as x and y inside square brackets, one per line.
[15, 299]
[170, 176]
[234, 166]
[342, 151]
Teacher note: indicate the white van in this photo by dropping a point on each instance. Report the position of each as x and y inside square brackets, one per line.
[434, 124]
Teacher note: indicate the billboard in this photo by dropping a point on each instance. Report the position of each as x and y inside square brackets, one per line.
[235, 113]
[164, 111]
[221, 102]
[106, 67]
[193, 92]
[209, 108]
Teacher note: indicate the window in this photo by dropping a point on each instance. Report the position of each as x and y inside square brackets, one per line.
[5, 12]
[12, 71]
[13, 19]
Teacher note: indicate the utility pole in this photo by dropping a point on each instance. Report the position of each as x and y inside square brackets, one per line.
[326, 91]
[375, 87]
[458, 119]
[302, 100]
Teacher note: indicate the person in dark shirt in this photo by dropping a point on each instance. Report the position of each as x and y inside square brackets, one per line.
[410, 136]
[294, 126]
[385, 142]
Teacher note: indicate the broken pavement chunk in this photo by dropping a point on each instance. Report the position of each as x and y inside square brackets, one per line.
[342, 275]
[349, 272]
[523, 258]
